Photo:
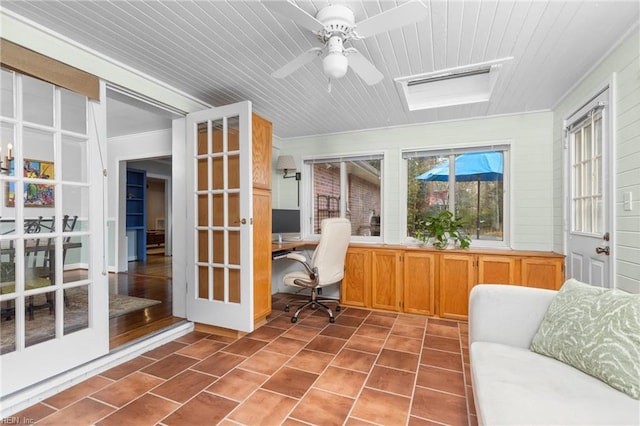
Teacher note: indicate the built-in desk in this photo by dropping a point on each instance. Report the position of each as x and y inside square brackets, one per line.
[291, 245]
[279, 250]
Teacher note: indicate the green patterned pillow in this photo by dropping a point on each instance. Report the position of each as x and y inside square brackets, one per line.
[595, 330]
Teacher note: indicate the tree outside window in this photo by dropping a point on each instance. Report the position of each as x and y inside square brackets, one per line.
[472, 189]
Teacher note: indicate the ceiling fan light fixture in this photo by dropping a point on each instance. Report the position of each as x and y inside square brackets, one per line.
[335, 65]
[334, 25]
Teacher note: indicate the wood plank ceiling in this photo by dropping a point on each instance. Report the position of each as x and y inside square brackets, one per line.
[224, 51]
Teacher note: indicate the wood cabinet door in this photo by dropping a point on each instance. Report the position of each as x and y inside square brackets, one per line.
[386, 279]
[497, 270]
[354, 290]
[419, 283]
[261, 169]
[261, 153]
[456, 278]
[542, 272]
[261, 254]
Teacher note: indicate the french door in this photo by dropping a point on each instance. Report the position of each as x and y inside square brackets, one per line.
[54, 295]
[219, 217]
[589, 198]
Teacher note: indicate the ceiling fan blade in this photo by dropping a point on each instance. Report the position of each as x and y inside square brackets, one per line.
[407, 13]
[298, 62]
[361, 66]
[299, 16]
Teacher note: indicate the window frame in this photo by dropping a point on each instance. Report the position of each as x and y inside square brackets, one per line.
[598, 110]
[504, 146]
[307, 200]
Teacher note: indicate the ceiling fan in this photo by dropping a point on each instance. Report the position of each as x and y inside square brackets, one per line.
[335, 25]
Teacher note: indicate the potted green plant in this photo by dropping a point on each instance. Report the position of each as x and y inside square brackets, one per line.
[441, 229]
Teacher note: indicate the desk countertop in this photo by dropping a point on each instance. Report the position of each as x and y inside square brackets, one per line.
[291, 245]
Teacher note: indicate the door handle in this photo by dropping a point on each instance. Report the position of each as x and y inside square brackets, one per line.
[604, 250]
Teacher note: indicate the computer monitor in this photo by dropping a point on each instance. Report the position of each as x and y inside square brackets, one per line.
[285, 221]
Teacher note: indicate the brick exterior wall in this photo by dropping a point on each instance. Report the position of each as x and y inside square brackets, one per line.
[326, 191]
[364, 199]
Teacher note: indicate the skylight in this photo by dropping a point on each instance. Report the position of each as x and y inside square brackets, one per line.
[453, 86]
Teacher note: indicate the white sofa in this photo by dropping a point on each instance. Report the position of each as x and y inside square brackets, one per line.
[515, 386]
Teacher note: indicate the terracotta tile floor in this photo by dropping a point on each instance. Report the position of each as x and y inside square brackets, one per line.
[367, 368]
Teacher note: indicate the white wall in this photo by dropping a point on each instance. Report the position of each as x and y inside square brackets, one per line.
[284, 191]
[154, 168]
[530, 136]
[624, 61]
[120, 150]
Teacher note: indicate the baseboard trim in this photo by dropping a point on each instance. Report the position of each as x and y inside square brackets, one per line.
[20, 400]
[219, 331]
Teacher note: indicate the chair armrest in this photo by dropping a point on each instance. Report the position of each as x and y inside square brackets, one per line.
[297, 257]
[506, 314]
[313, 273]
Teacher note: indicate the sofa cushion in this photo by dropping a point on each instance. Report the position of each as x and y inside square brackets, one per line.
[595, 330]
[514, 386]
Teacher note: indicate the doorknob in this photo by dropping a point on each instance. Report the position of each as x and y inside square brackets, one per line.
[243, 221]
[604, 250]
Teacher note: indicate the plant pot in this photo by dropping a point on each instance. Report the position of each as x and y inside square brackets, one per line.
[451, 244]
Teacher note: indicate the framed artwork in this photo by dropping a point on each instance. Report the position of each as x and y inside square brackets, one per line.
[35, 194]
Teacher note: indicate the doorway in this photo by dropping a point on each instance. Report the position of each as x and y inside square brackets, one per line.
[139, 138]
[589, 192]
[158, 191]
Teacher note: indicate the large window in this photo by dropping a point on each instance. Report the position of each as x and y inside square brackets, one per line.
[468, 182]
[348, 187]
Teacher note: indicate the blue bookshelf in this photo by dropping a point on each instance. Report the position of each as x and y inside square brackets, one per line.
[137, 210]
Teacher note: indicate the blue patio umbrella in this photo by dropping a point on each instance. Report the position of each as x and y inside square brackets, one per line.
[470, 167]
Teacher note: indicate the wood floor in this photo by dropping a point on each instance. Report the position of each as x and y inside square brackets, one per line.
[151, 280]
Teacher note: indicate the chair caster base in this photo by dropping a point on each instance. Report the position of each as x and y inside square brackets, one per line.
[294, 320]
[286, 308]
[338, 308]
[332, 319]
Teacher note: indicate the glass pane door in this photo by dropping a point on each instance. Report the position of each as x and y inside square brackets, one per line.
[48, 208]
[220, 289]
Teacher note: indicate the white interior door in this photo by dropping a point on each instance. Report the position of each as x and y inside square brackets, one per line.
[54, 295]
[589, 199]
[219, 217]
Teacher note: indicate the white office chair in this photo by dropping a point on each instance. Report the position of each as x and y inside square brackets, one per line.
[326, 267]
